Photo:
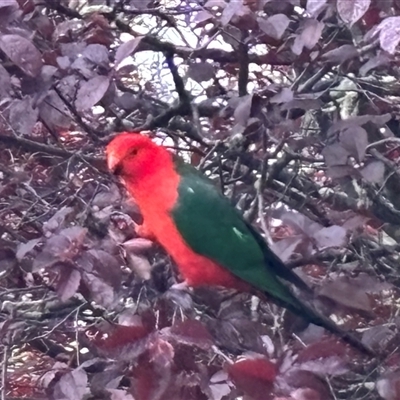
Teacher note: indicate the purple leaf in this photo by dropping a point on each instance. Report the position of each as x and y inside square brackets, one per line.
[355, 141]
[231, 9]
[161, 352]
[23, 53]
[49, 376]
[389, 34]
[274, 26]
[84, 67]
[129, 318]
[314, 7]
[118, 394]
[47, 73]
[110, 95]
[63, 62]
[232, 36]
[109, 379]
[126, 49]
[341, 54]
[68, 282]
[202, 71]
[304, 385]
[215, 3]
[91, 92]
[388, 386]
[382, 59]
[344, 291]
[339, 171]
[25, 248]
[370, 284]
[102, 264]
[191, 332]
[67, 28]
[68, 85]
[55, 246]
[243, 109]
[378, 336]
[219, 390]
[284, 96]
[140, 265]
[311, 31]
[335, 154]
[23, 116]
[107, 266]
[254, 376]
[202, 16]
[125, 342]
[351, 11]
[75, 234]
[321, 350]
[71, 386]
[332, 236]
[374, 172]
[57, 220]
[107, 197]
[101, 292]
[5, 82]
[8, 3]
[285, 248]
[54, 111]
[354, 223]
[300, 223]
[331, 366]
[10, 15]
[219, 377]
[72, 50]
[64, 247]
[96, 53]
[180, 298]
[342, 124]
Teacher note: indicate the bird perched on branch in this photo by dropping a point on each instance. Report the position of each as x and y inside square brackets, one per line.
[206, 236]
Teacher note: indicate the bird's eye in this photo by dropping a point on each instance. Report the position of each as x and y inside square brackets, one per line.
[133, 152]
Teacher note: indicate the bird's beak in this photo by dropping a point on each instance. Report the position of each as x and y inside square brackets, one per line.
[112, 162]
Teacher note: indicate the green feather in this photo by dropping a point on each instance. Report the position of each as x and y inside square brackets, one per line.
[213, 228]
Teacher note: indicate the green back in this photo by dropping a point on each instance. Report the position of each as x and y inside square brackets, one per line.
[212, 227]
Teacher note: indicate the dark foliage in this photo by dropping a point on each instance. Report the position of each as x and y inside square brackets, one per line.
[289, 105]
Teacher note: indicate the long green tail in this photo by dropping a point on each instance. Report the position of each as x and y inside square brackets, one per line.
[306, 311]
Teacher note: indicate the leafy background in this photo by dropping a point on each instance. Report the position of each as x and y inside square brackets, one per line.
[289, 105]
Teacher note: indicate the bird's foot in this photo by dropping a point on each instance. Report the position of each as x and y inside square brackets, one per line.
[181, 286]
[144, 232]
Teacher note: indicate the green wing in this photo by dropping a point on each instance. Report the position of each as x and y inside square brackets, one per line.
[212, 227]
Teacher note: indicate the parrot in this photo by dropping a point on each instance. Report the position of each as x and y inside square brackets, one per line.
[206, 236]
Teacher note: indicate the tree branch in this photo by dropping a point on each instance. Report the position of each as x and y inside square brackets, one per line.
[243, 77]
[184, 97]
[31, 146]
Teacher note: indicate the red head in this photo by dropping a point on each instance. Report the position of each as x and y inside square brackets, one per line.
[132, 156]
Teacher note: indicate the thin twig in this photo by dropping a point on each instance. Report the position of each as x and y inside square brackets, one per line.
[4, 373]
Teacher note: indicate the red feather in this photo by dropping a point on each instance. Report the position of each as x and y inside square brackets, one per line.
[150, 177]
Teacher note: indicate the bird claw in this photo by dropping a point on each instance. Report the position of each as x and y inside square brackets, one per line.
[181, 286]
[144, 232]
